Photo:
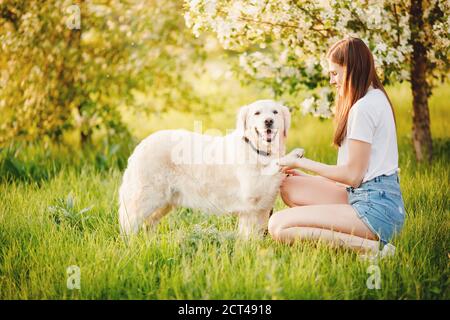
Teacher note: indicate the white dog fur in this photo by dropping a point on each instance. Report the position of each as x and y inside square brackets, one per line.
[217, 174]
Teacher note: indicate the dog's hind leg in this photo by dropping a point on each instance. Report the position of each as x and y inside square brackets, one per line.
[153, 218]
[136, 209]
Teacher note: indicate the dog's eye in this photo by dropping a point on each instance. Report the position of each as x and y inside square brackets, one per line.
[257, 113]
[275, 111]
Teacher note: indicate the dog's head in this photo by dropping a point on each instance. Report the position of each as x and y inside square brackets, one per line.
[264, 122]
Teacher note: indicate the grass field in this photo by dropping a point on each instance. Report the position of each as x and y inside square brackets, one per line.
[58, 208]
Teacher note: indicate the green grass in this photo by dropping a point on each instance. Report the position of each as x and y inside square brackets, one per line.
[59, 208]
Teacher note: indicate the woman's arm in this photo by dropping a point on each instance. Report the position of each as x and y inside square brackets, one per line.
[351, 173]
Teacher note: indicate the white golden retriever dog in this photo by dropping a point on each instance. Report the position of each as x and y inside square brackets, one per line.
[236, 173]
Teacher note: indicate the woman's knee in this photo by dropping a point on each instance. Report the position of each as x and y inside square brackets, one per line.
[275, 225]
[286, 192]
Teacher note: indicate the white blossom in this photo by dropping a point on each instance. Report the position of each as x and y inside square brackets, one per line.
[299, 42]
[310, 64]
[308, 105]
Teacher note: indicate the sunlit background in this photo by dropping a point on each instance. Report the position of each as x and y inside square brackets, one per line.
[82, 82]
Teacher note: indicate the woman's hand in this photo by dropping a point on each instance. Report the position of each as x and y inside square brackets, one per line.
[350, 173]
[290, 172]
[289, 162]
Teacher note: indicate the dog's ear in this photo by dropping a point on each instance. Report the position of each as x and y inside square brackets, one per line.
[286, 119]
[241, 123]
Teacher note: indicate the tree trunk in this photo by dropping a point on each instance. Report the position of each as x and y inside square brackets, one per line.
[75, 41]
[421, 117]
[85, 139]
[85, 130]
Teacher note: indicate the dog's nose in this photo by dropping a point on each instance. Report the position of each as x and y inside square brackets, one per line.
[268, 122]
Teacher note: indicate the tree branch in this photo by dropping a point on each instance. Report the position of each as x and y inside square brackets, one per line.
[283, 25]
[10, 16]
[329, 33]
[397, 21]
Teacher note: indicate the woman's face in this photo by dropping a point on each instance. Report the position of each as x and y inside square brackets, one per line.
[336, 75]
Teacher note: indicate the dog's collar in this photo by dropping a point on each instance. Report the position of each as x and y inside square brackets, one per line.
[260, 152]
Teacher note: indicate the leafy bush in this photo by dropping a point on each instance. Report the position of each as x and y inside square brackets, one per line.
[64, 212]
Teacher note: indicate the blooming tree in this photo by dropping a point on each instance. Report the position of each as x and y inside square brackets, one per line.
[283, 44]
[72, 64]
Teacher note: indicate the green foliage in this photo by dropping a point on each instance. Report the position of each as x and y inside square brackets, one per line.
[57, 78]
[283, 43]
[13, 167]
[65, 212]
[193, 255]
[37, 163]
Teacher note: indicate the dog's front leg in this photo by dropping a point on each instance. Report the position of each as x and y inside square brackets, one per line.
[291, 156]
[247, 193]
[253, 224]
[272, 168]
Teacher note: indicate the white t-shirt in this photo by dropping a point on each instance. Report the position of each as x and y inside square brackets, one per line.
[371, 120]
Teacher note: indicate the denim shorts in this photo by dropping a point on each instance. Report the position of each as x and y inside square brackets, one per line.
[379, 204]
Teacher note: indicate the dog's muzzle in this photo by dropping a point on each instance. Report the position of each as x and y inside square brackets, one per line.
[268, 134]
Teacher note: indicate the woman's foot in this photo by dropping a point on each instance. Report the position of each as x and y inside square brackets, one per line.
[388, 251]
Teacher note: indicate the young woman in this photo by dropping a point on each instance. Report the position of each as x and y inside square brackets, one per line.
[356, 203]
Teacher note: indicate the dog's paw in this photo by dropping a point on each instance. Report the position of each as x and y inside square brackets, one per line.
[297, 153]
[291, 157]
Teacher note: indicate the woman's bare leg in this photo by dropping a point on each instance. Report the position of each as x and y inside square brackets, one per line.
[311, 190]
[333, 237]
[337, 224]
[319, 211]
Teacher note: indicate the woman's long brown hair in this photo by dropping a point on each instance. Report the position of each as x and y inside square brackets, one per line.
[359, 74]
